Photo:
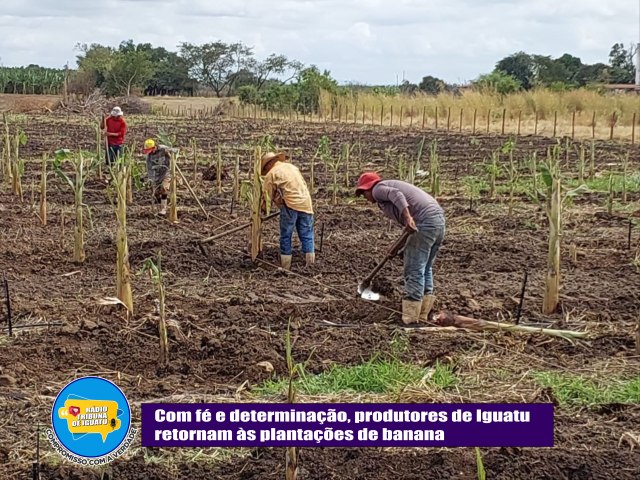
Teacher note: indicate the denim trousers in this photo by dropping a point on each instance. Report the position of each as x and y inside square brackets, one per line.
[113, 153]
[420, 252]
[302, 222]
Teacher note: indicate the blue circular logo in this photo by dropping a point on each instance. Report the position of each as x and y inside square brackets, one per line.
[91, 417]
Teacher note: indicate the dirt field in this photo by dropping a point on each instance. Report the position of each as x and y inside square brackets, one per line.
[232, 314]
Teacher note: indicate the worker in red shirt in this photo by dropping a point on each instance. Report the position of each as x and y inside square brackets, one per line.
[115, 129]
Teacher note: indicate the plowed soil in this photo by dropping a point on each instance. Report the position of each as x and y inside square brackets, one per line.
[229, 314]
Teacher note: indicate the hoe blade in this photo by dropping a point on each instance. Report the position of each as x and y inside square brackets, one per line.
[368, 294]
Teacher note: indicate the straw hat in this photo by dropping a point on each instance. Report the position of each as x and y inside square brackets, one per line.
[267, 157]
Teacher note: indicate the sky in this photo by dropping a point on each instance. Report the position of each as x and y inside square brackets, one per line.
[365, 41]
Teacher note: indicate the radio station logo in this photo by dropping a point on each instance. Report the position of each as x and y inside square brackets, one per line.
[91, 421]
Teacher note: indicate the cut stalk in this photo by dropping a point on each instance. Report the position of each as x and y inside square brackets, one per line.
[194, 148]
[256, 202]
[219, 171]
[99, 144]
[236, 180]
[77, 186]
[173, 208]
[534, 173]
[582, 154]
[592, 165]
[291, 457]
[43, 191]
[610, 194]
[155, 272]
[552, 178]
[347, 156]
[17, 165]
[123, 269]
[6, 164]
[434, 167]
[625, 167]
[447, 319]
[554, 213]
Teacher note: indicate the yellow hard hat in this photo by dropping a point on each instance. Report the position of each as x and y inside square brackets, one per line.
[149, 145]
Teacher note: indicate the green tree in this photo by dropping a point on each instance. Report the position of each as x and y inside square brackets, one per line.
[130, 69]
[520, 66]
[621, 62]
[432, 85]
[572, 66]
[273, 65]
[216, 65]
[95, 61]
[548, 71]
[497, 82]
[309, 85]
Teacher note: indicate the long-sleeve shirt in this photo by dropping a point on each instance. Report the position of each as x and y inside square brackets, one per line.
[115, 125]
[284, 182]
[393, 196]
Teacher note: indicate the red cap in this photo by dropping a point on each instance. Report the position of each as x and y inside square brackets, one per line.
[366, 182]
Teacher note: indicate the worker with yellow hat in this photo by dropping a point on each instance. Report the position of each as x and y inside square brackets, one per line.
[158, 171]
[286, 187]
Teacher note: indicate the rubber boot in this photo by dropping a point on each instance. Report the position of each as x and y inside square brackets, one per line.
[163, 206]
[310, 258]
[411, 311]
[285, 261]
[427, 305]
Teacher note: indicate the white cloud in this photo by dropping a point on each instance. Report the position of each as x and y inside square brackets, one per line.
[370, 41]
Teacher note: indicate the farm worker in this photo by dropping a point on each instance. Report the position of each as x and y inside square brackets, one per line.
[115, 130]
[285, 186]
[419, 212]
[158, 171]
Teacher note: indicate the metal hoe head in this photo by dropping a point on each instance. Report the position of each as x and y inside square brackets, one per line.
[367, 293]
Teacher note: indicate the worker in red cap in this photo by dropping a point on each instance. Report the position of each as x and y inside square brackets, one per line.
[419, 212]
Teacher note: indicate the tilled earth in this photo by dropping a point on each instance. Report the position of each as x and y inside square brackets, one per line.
[228, 314]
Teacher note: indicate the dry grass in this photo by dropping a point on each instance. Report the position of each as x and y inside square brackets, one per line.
[187, 105]
[520, 110]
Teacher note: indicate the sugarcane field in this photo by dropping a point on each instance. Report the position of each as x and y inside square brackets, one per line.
[322, 240]
[208, 313]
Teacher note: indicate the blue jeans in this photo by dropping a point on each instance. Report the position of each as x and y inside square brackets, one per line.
[303, 223]
[420, 252]
[113, 153]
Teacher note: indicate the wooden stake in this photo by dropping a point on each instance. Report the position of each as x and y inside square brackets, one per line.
[504, 115]
[573, 125]
[519, 121]
[555, 123]
[460, 125]
[424, 114]
[184, 179]
[448, 118]
[488, 119]
[475, 116]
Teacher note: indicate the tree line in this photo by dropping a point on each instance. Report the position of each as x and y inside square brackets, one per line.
[277, 82]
